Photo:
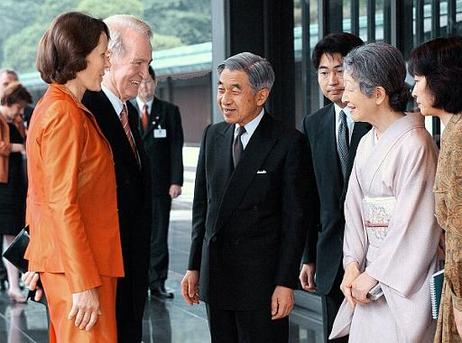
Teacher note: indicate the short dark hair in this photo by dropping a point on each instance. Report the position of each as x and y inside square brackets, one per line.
[15, 93]
[439, 61]
[63, 49]
[152, 73]
[335, 43]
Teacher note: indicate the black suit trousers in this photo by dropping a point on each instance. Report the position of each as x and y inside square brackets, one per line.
[331, 305]
[246, 326]
[158, 260]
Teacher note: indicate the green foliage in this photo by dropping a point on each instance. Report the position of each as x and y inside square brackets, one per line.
[104, 9]
[161, 42]
[174, 22]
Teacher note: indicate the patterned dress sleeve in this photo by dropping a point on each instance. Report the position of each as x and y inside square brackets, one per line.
[454, 222]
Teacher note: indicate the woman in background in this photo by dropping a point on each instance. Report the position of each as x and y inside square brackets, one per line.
[71, 201]
[437, 69]
[391, 235]
[13, 192]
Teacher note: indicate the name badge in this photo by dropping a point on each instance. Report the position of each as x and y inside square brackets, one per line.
[160, 133]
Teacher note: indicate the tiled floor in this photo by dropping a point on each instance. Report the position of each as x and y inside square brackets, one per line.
[170, 321]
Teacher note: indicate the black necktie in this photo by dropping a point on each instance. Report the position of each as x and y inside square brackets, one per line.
[343, 143]
[237, 145]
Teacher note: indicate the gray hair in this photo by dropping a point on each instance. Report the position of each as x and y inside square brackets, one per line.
[379, 65]
[258, 69]
[10, 72]
[120, 23]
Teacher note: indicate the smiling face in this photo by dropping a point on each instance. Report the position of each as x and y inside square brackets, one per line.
[330, 77]
[236, 98]
[90, 78]
[362, 107]
[130, 68]
[423, 97]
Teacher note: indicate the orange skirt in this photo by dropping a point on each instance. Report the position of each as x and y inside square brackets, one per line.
[63, 330]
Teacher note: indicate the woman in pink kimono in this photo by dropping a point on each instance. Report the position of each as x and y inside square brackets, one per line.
[391, 235]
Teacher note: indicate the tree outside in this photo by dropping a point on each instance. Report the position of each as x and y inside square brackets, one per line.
[174, 23]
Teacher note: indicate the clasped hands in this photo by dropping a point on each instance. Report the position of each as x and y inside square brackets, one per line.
[355, 285]
[85, 305]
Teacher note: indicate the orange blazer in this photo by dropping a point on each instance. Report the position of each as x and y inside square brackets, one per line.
[4, 149]
[71, 200]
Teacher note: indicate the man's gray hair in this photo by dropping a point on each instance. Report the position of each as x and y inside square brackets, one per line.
[379, 65]
[118, 24]
[258, 69]
[9, 71]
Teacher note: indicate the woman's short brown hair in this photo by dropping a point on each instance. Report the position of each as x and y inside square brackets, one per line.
[63, 49]
[15, 93]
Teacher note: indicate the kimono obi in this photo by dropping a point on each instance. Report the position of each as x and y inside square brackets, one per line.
[377, 212]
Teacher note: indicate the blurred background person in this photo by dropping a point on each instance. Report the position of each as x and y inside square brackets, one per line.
[13, 100]
[71, 202]
[437, 70]
[391, 234]
[162, 135]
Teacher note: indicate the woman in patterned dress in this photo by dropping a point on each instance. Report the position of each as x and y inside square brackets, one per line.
[437, 69]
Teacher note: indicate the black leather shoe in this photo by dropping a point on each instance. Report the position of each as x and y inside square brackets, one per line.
[161, 292]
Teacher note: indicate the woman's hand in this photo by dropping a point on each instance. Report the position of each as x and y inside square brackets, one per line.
[85, 309]
[361, 286]
[31, 280]
[351, 273]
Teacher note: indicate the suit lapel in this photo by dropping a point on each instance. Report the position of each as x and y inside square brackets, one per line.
[252, 158]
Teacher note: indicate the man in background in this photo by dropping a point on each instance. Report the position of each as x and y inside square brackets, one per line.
[162, 135]
[332, 141]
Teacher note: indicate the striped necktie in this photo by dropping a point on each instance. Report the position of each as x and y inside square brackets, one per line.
[343, 143]
[128, 132]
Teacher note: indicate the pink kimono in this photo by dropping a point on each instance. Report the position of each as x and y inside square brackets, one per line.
[392, 233]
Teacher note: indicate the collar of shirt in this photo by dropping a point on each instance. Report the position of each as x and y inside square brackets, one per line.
[350, 121]
[141, 103]
[115, 101]
[250, 128]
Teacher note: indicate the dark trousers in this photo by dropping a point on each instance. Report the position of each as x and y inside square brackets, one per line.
[158, 261]
[246, 326]
[331, 305]
[3, 275]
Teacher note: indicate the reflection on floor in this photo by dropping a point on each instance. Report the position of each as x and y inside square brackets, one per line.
[169, 321]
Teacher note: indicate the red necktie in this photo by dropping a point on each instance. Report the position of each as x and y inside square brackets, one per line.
[144, 117]
[126, 126]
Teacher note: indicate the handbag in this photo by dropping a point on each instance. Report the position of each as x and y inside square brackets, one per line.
[15, 252]
[15, 255]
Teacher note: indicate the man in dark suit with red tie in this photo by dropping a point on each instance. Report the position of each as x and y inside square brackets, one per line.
[250, 211]
[332, 139]
[162, 135]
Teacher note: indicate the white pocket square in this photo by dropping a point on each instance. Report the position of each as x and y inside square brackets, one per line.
[261, 171]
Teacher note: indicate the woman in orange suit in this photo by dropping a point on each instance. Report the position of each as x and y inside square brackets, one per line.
[71, 203]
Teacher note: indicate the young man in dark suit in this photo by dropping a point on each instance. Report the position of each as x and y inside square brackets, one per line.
[332, 141]
[129, 56]
[162, 135]
[249, 211]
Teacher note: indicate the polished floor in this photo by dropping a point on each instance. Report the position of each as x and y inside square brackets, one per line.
[165, 321]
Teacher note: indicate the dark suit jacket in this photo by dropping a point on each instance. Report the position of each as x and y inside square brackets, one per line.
[249, 224]
[133, 200]
[165, 154]
[319, 128]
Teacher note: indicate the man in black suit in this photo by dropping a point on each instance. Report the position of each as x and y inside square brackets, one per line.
[162, 135]
[129, 55]
[332, 163]
[249, 211]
